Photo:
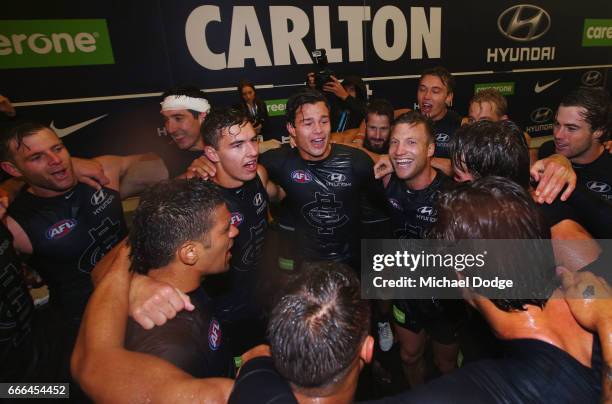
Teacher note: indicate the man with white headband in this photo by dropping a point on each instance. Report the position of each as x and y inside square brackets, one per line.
[183, 110]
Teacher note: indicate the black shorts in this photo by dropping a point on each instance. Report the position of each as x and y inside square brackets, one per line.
[441, 319]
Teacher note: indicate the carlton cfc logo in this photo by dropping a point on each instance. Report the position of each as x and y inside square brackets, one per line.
[214, 335]
[61, 229]
[301, 176]
[236, 218]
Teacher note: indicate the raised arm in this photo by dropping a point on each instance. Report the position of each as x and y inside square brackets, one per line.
[131, 174]
[107, 372]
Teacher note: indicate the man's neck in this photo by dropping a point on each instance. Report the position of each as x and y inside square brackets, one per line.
[48, 193]
[308, 157]
[553, 324]
[178, 275]
[590, 155]
[422, 180]
[198, 145]
[440, 116]
[223, 179]
[342, 392]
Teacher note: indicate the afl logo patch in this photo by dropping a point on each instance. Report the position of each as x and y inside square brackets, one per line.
[61, 229]
[214, 335]
[236, 219]
[301, 176]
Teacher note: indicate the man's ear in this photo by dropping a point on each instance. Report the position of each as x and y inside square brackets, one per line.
[367, 349]
[188, 253]
[431, 149]
[211, 154]
[202, 116]
[291, 129]
[10, 168]
[449, 100]
[598, 134]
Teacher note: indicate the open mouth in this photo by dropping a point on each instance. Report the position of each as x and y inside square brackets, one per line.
[561, 146]
[251, 165]
[426, 107]
[318, 143]
[60, 174]
[403, 163]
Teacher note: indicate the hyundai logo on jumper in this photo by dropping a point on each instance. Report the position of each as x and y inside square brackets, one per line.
[541, 115]
[301, 176]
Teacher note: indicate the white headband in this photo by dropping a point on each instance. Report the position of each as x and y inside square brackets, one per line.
[177, 102]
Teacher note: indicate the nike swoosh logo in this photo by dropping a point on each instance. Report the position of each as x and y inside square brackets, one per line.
[61, 132]
[538, 88]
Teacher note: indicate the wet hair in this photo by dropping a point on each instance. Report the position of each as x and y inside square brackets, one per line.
[217, 120]
[443, 74]
[494, 97]
[497, 208]
[318, 326]
[189, 91]
[416, 118]
[598, 111]
[301, 97]
[171, 213]
[487, 148]
[17, 132]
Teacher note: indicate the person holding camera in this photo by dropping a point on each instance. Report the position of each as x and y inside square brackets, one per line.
[252, 106]
[347, 99]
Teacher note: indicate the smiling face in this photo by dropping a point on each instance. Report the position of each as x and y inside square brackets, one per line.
[43, 162]
[378, 129]
[410, 150]
[184, 129]
[573, 136]
[311, 131]
[433, 97]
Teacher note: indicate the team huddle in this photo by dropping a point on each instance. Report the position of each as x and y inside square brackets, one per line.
[237, 278]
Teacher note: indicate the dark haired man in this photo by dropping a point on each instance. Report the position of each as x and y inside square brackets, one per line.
[322, 181]
[181, 233]
[412, 191]
[183, 110]
[231, 145]
[65, 224]
[378, 122]
[582, 125]
[318, 334]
